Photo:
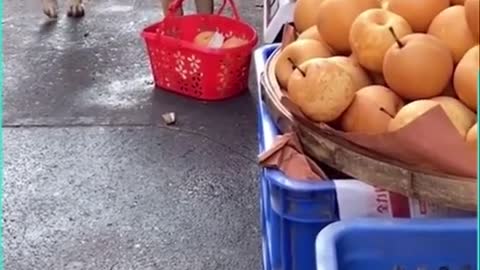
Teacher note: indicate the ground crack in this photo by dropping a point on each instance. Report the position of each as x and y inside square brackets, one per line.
[129, 125]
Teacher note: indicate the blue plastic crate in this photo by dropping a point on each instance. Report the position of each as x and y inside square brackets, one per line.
[427, 244]
[292, 212]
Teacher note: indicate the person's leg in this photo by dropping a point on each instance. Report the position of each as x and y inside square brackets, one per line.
[204, 6]
[166, 3]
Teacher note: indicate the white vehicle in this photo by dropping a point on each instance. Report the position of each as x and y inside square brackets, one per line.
[275, 14]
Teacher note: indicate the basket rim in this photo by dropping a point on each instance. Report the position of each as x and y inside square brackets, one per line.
[149, 33]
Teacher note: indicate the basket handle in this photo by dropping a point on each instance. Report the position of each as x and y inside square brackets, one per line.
[174, 6]
[232, 6]
[177, 4]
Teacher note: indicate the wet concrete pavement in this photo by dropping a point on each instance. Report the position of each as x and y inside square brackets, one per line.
[92, 178]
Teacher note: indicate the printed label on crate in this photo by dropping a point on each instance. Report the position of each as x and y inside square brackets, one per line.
[391, 204]
[421, 209]
[357, 199]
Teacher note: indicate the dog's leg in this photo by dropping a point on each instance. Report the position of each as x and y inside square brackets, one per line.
[76, 9]
[50, 8]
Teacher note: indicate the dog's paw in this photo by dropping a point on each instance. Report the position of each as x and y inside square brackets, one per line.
[76, 10]
[50, 8]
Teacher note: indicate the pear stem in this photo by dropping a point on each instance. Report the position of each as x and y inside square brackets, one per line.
[386, 112]
[400, 44]
[297, 67]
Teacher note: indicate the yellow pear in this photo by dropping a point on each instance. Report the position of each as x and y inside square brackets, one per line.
[295, 54]
[321, 89]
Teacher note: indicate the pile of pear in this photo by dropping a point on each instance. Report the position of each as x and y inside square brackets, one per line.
[374, 66]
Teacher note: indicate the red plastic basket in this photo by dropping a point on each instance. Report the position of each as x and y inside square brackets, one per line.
[180, 66]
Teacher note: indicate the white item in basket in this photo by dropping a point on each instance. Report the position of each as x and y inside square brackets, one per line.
[357, 199]
[216, 41]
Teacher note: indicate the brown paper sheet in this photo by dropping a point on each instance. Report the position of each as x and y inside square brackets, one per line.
[431, 142]
[286, 155]
[289, 34]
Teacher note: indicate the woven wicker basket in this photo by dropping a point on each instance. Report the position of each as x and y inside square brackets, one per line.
[374, 169]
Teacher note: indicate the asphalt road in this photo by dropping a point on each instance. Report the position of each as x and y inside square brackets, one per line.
[93, 179]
